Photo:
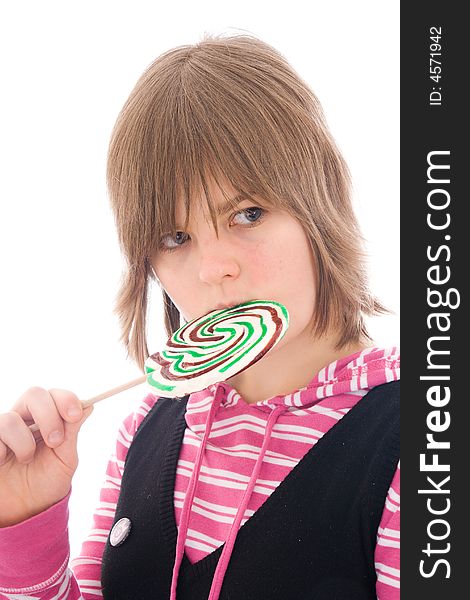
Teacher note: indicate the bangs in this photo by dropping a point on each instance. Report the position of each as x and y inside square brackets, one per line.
[192, 120]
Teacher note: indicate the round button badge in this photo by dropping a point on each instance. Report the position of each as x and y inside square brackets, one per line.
[120, 531]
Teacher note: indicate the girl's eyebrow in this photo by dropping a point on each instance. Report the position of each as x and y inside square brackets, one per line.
[227, 206]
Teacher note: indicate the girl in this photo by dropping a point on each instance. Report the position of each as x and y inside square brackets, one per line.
[282, 481]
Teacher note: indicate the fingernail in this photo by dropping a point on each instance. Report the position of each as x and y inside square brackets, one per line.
[55, 437]
[73, 412]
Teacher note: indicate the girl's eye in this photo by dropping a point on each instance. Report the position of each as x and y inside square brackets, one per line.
[253, 215]
[252, 212]
[177, 238]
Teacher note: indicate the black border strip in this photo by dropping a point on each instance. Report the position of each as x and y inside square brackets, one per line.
[435, 539]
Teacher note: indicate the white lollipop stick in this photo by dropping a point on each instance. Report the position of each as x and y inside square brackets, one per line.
[117, 390]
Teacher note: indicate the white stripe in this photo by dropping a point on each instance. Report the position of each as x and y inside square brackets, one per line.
[353, 384]
[99, 532]
[297, 412]
[269, 457]
[238, 449]
[388, 543]
[110, 486]
[327, 412]
[311, 437]
[358, 393]
[202, 536]
[84, 561]
[110, 505]
[126, 433]
[296, 429]
[224, 473]
[293, 400]
[203, 409]
[363, 380]
[389, 532]
[199, 545]
[298, 399]
[359, 360]
[393, 495]
[233, 398]
[331, 370]
[391, 507]
[288, 401]
[364, 353]
[225, 484]
[259, 430]
[91, 582]
[115, 482]
[142, 411]
[387, 569]
[288, 427]
[209, 515]
[227, 510]
[204, 402]
[230, 421]
[122, 440]
[97, 538]
[311, 440]
[114, 467]
[105, 513]
[388, 580]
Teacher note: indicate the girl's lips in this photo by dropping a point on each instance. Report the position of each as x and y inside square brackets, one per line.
[226, 305]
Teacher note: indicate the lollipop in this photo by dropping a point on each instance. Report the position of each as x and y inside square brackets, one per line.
[209, 349]
[216, 346]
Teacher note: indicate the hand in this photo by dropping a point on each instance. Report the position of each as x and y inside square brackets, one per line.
[36, 470]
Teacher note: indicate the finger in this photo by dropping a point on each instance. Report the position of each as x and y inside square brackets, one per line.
[16, 437]
[38, 404]
[72, 429]
[68, 404]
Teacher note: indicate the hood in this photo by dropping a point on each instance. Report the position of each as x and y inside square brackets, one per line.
[338, 386]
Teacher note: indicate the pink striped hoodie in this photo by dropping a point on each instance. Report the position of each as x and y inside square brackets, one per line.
[233, 456]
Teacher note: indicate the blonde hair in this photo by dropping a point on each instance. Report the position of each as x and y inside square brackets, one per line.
[233, 106]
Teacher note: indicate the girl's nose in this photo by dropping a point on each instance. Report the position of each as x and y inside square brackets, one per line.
[216, 263]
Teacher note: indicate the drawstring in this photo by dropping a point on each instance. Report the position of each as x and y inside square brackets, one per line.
[188, 501]
[227, 551]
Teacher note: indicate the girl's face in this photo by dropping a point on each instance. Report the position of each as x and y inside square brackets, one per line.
[261, 253]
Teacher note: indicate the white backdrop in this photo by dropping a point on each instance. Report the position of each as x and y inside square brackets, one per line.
[67, 68]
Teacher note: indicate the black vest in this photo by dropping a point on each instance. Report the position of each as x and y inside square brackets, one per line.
[312, 539]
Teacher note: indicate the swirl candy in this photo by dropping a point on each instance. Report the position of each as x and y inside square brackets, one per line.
[216, 346]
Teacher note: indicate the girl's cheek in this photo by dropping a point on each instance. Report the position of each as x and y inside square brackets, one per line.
[262, 262]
